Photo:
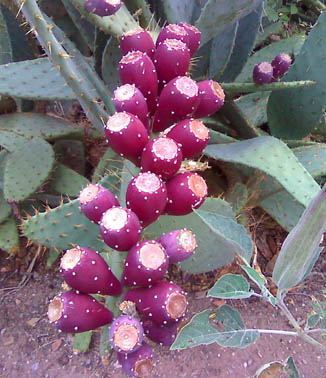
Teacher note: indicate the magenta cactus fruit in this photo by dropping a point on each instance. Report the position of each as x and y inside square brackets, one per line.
[163, 303]
[161, 156]
[191, 135]
[211, 98]
[86, 271]
[94, 200]
[146, 196]
[171, 59]
[262, 73]
[137, 40]
[128, 98]
[178, 100]
[194, 36]
[145, 264]
[74, 312]
[103, 8]
[137, 68]
[281, 64]
[186, 191]
[173, 31]
[126, 135]
[120, 228]
[163, 335]
[126, 334]
[139, 363]
[178, 244]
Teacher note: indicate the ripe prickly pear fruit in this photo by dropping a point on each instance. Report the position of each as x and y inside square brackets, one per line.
[163, 335]
[163, 303]
[146, 196]
[103, 8]
[139, 363]
[186, 191]
[137, 68]
[171, 59]
[126, 135]
[178, 244]
[194, 36]
[73, 312]
[128, 98]
[262, 73]
[281, 64]
[120, 228]
[145, 264]
[161, 156]
[178, 100]
[173, 31]
[211, 98]
[94, 200]
[191, 135]
[137, 40]
[126, 334]
[86, 271]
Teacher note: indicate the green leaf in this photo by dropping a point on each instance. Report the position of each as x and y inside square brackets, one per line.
[312, 321]
[82, 341]
[290, 369]
[231, 286]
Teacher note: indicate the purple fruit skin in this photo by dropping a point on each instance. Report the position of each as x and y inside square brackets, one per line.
[135, 105]
[151, 302]
[83, 313]
[281, 64]
[137, 68]
[136, 274]
[147, 205]
[262, 73]
[130, 141]
[126, 320]
[92, 275]
[126, 237]
[171, 59]
[137, 40]
[101, 7]
[163, 335]
[103, 201]
[128, 361]
[210, 100]
[172, 247]
[194, 36]
[174, 105]
[173, 31]
[165, 168]
[191, 146]
[181, 199]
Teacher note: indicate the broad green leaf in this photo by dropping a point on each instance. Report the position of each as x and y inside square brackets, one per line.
[82, 341]
[231, 286]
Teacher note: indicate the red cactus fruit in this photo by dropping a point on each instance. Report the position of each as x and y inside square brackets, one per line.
[161, 156]
[120, 228]
[146, 196]
[139, 363]
[126, 135]
[137, 40]
[262, 73]
[86, 271]
[128, 98]
[163, 303]
[211, 98]
[145, 264]
[137, 68]
[103, 8]
[186, 191]
[94, 200]
[73, 312]
[126, 334]
[281, 64]
[171, 59]
[178, 244]
[163, 335]
[194, 36]
[173, 31]
[178, 100]
[191, 135]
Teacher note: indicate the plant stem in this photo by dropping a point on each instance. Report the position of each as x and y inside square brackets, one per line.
[276, 332]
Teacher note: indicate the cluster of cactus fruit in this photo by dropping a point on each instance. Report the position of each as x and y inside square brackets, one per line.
[265, 72]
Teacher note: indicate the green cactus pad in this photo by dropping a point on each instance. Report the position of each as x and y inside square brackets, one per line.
[110, 60]
[71, 153]
[27, 168]
[110, 166]
[295, 113]
[219, 138]
[35, 80]
[5, 46]
[253, 106]
[177, 11]
[11, 140]
[9, 238]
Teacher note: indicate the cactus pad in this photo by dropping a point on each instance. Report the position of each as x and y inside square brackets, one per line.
[9, 238]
